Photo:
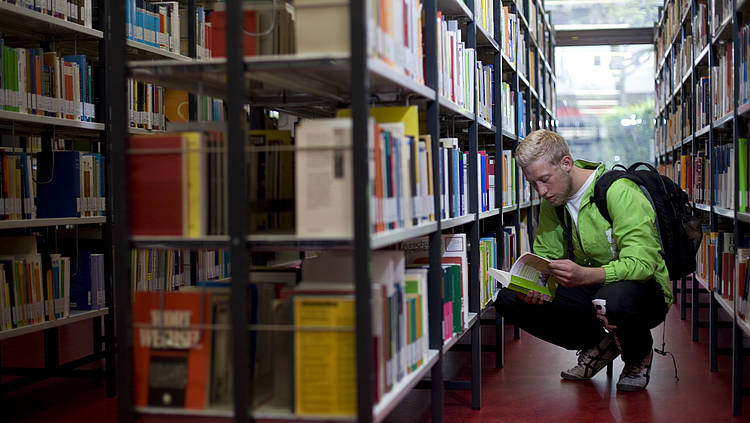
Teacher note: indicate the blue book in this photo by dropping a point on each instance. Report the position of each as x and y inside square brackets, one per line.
[461, 165]
[58, 184]
[83, 294]
[397, 160]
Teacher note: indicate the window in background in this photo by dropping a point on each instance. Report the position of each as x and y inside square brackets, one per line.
[605, 103]
[590, 14]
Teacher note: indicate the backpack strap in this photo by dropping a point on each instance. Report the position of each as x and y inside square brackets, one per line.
[602, 185]
[566, 224]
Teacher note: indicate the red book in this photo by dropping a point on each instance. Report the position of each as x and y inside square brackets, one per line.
[155, 183]
[170, 354]
[216, 42]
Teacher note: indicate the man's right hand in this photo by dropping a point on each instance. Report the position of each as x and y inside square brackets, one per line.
[531, 297]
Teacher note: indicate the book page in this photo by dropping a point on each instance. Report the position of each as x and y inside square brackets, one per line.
[531, 272]
[531, 267]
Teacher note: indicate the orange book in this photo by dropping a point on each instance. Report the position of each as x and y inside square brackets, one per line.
[171, 356]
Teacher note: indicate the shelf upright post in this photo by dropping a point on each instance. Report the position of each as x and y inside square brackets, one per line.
[516, 80]
[115, 130]
[360, 89]
[435, 272]
[498, 118]
[737, 334]
[237, 214]
[474, 306]
[192, 52]
[694, 115]
[713, 306]
[109, 268]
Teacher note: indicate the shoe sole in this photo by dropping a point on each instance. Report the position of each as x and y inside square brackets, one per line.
[630, 388]
[568, 376]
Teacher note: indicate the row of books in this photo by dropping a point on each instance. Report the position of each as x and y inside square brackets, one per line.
[178, 184]
[702, 102]
[526, 193]
[488, 287]
[509, 174]
[172, 269]
[456, 65]
[35, 287]
[721, 13]
[508, 108]
[676, 128]
[701, 30]
[146, 105]
[318, 363]
[401, 179]
[722, 175]
[683, 60]
[485, 86]
[744, 62]
[716, 260]
[484, 16]
[524, 57]
[68, 184]
[509, 43]
[178, 180]
[42, 83]
[742, 258]
[74, 11]
[154, 24]
[674, 13]
[397, 38]
[722, 80]
[511, 250]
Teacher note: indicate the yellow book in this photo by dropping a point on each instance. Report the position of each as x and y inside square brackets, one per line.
[406, 114]
[196, 183]
[324, 362]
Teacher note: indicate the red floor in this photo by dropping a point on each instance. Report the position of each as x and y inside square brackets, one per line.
[528, 389]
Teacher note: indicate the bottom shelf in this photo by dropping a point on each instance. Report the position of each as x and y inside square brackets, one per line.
[447, 345]
[75, 316]
[744, 325]
[390, 400]
[727, 305]
[380, 411]
[700, 280]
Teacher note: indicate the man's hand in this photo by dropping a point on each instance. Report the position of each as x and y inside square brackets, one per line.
[570, 274]
[530, 297]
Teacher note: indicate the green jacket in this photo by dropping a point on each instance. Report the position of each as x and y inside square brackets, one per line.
[627, 250]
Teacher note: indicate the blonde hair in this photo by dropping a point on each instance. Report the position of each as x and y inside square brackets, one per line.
[542, 144]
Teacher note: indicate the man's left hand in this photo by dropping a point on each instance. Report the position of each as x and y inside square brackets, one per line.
[570, 274]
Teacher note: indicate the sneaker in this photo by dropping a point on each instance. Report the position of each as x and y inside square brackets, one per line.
[635, 377]
[592, 360]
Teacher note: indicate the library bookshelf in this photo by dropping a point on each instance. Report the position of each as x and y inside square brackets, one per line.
[517, 64]
[701, 133]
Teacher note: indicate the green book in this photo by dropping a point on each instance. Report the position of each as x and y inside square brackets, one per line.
[529, 273]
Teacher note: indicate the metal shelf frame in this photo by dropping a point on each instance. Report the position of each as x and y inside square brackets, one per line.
[735, 121]
[350, 79]
[31, 28]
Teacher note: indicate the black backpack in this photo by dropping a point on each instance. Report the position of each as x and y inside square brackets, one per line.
[679, 231]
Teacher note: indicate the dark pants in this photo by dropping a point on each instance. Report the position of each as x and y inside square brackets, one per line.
[570, 320]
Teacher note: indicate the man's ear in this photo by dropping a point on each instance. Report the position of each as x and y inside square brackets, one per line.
[566, 163]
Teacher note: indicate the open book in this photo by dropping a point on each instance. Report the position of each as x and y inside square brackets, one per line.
[529, 272]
